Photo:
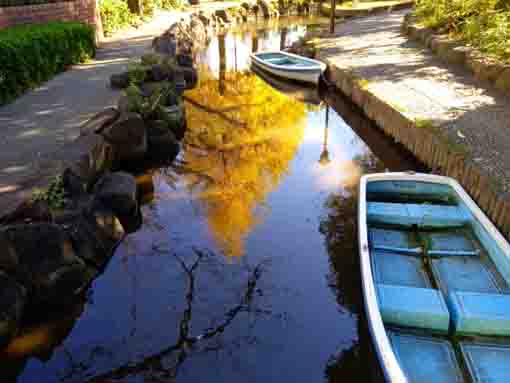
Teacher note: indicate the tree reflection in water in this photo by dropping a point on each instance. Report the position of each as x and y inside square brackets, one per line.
[164, 365]
[339, 228]
[236, 150]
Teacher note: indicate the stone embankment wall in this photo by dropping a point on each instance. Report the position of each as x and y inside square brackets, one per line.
[85, 11]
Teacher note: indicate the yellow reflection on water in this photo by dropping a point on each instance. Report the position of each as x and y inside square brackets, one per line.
[242, 135]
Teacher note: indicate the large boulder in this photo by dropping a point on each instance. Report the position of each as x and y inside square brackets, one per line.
[185, 60]
[222, 15]
[117, 191]
[88, 157]
[162, 140]
[149, 88]
[206, 21]
[99, 121]
[29, 211]
[119, 80]
[12, 303]
[95, 234]
[128, 137]
[123, 104]
[159, 72]
[165, 44]
[175, 118]
[73, 186]
[190, 77]
[41, 257]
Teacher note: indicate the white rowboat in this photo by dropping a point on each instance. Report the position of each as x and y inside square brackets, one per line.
[436, 281]
[289, 66]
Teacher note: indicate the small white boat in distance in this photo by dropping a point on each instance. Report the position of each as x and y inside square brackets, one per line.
[289, 66]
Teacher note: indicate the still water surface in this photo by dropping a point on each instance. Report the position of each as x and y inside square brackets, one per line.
[245, 268]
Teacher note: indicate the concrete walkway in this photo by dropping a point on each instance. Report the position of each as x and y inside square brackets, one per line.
[43, 120]
[412, 80]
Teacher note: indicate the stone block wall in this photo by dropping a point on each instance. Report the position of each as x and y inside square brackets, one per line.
[85, 11]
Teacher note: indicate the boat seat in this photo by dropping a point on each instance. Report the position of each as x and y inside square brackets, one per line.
[465, 274]
[413, 307]
[426, 359]
[392, 268]
[480, 313]
[487, 362]
[453, 242]
[421, 215]
[398, 241]
[280, 61]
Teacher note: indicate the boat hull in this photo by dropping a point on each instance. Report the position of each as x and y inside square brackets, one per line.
[306, 75]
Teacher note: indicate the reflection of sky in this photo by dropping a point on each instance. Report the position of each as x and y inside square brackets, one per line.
[343, 146]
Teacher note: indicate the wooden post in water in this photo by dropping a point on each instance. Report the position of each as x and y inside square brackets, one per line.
[223, 63]
[283, 38]
[332, 17]
[255, 42]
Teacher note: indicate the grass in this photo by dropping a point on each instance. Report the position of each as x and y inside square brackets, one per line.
[423, 123]
[54, 195]
[398, 107]
[454, 147]
[363, 83]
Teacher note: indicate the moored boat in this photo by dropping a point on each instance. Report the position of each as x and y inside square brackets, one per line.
[289, 66]
[436, 277]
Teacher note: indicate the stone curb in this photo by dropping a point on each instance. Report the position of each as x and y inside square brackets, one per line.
[325, 11]
[454, 52]
[428, 145]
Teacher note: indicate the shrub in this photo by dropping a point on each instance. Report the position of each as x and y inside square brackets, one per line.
[172, 4]
[483, 23]
[115, 14]
[32, 54]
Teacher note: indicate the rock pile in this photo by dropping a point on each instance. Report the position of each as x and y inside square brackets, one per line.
[48, 254]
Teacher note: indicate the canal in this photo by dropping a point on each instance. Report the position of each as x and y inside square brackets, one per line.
[245, 268]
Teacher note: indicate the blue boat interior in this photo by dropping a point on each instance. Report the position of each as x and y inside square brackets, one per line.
[284, 60]
[442, 284]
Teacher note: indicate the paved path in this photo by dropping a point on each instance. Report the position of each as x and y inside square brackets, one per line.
[43, 120]
[415, 82]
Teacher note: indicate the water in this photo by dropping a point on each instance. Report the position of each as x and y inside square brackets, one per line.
[245, 268]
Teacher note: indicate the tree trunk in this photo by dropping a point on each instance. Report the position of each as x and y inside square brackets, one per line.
[136, 7]
[332, 17]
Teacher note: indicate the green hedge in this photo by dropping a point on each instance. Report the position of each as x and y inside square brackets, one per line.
[32, 54]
